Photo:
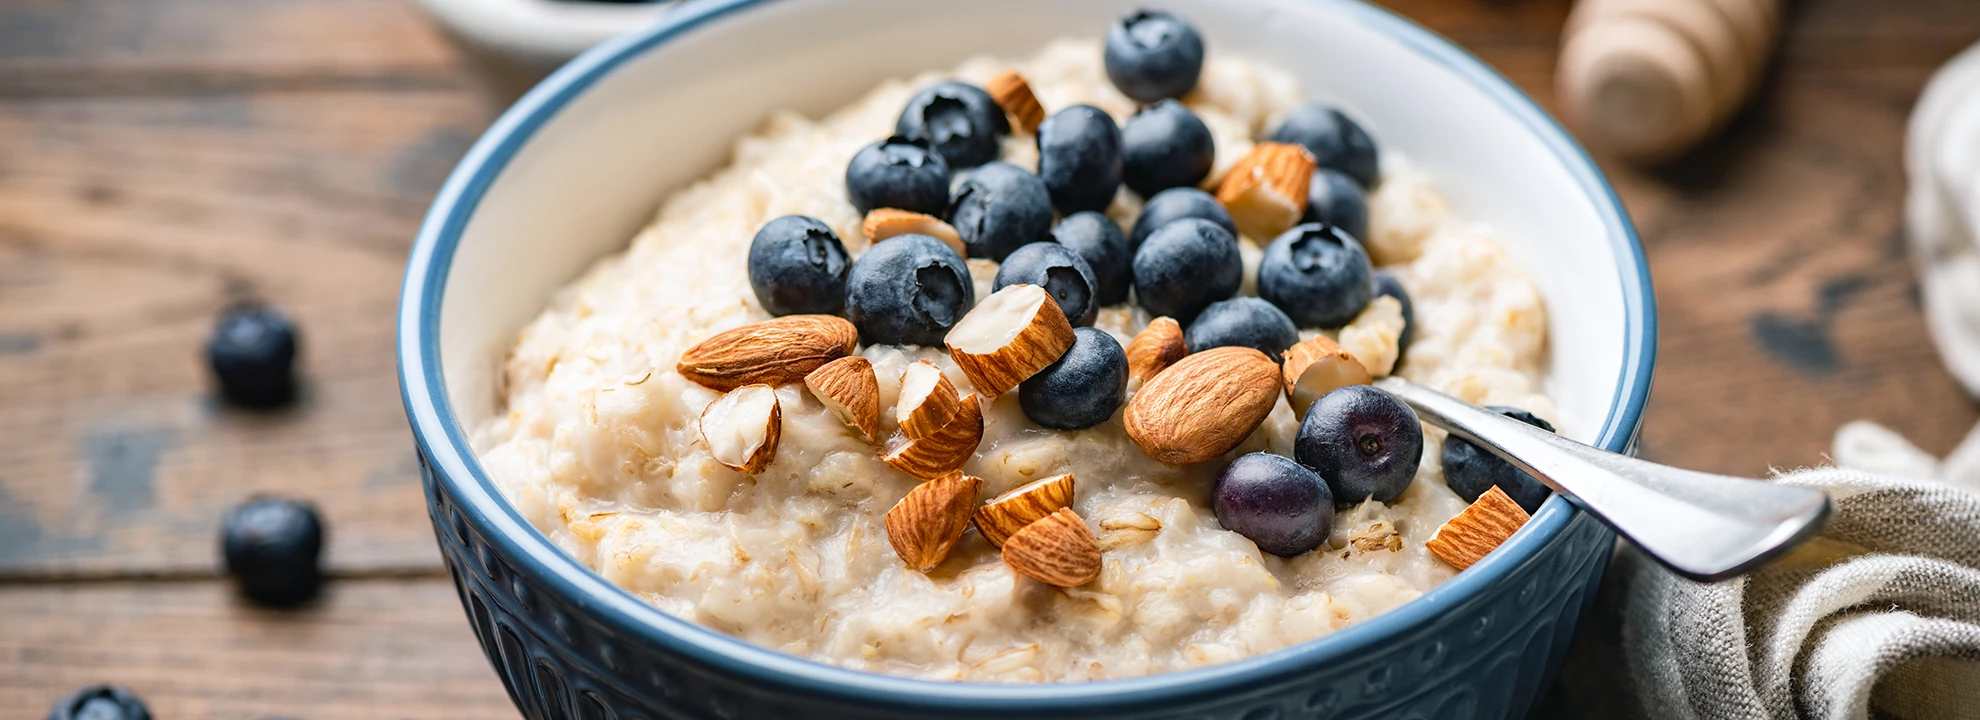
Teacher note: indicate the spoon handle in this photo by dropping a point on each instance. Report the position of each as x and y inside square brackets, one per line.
[1703, 526]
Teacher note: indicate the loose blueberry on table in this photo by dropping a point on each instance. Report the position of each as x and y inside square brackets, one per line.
[1364, 441]
[1082, 388]
[898, 172]
[1245, 321]
[1335, 140]
[1100, 242]
[1317, 274]
[271, 546]
[1285, 508]
[960, 120]
[998, 208]
[1333, 198]
[1175, 204]
[1152, 54]
[1184, 267]
[1470, 471]
[1079, 157]
[1061, 271]
[100, 702]
[908, 290]
[798, 266]
[1386, 284]
[253, 355]
[1165, 146]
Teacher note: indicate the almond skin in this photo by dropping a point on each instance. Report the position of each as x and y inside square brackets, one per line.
[1317, 366]
[1008, 337]
[1012, 511]
[883, 223]
[1057, 550]
[926, 524]
[730, 425]
[848, 387]
[775, 352]
[1204, 405]
[1467, 538]
[1014, 95]
[1265, 190]
[945, 450]
[927, 402]
[1155, 348]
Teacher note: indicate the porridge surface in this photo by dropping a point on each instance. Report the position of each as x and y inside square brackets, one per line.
[598, 447]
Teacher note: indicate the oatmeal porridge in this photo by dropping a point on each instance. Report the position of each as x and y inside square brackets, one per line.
[607, 447]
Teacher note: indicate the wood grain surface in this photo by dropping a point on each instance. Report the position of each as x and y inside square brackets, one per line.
[160, 159]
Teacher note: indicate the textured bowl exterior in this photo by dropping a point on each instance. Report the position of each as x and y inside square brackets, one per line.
[568, 644]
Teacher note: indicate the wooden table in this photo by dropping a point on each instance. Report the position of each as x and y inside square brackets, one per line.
[159, 158]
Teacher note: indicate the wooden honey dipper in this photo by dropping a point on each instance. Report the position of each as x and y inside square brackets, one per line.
[1647, 79]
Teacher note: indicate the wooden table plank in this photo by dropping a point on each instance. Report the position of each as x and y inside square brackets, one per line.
[370, 649]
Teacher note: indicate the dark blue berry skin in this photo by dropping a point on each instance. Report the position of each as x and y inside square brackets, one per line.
[1334, 198]
[908, 290]
[1285, 508]
[1152, 54]
[1470, 471]
[1385, 283]
[1082, 388]
[100, 702]
[1335, 140]
[271, 546]
[797, 265]
[1062, 272]
[958, 119]
[1184, 267]
[1099, 240]
[1164, 146]
[1317, 274]
[1364, 441]
[1245, 321]
[999, 208]
[253, 356]
[898, 173]
[1079, 157]
[1175, 204]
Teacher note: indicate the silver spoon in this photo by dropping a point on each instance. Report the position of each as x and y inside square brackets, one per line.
[1703, 526]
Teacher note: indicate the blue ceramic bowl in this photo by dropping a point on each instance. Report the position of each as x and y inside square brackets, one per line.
[575, 168]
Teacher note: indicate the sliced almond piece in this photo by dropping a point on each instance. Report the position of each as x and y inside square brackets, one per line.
[926, 524]
[780, 351]
[1468, 537]
[1266, 189]
[742, 428]
[1012, 511]
[1204, 405]
[1056, 550]
[1318, 366]
[1014, 95]
[928, 400]
[1008, 337]
[848, 387]
[885, 223]
[1155, 348]
[943, 451]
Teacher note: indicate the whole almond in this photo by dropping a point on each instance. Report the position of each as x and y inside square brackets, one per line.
[779, 351]
[1155, 348]
[1204, 405]
[943, 451]
[1022, 506]
[926, 524]
[848, 387]
[1477, 530]
[1057, 550]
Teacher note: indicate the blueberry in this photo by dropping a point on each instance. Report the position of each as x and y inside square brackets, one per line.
[1333, 198]
[958, 119]
[1164, 146]
[1246, 321]
[1062, 272]
[998, 208]
[1184, 267]
[253, 355]
[271, 546]
[1317, 274]
[1335, 140]
[898, 173]
[1470, 471]
[1082, 388]
[1175, 204]
[908, 290]
[1152, 54]
[1285, 508]
[797, 265]
[1385, 283]
[1079, 156]
[1364, 441]
[100, 702]
[1099, 240]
